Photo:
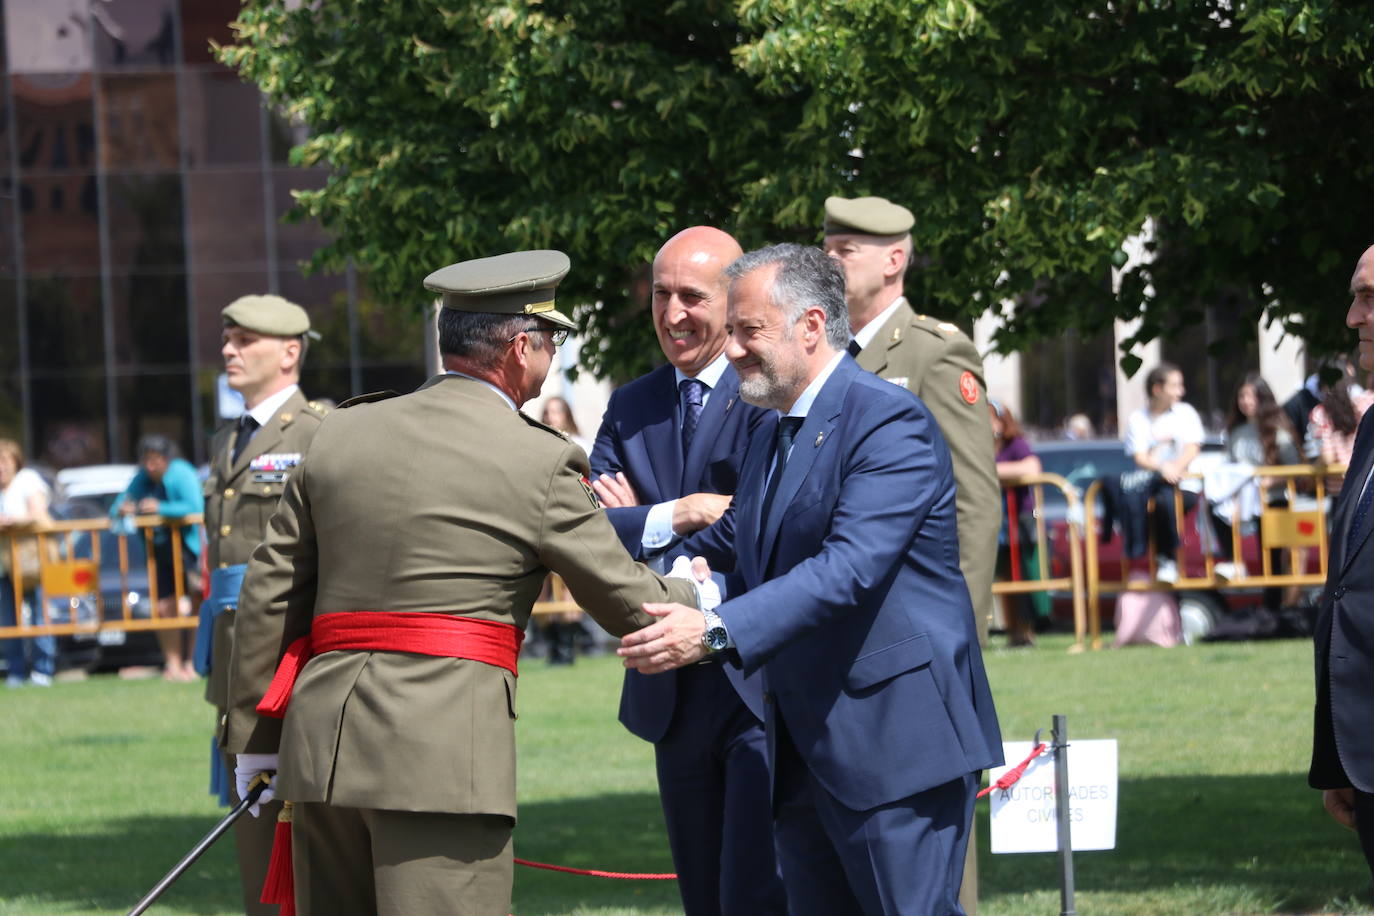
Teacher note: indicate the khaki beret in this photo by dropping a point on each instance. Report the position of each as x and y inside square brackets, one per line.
[866, 216]
[270, 315]
[519, 283]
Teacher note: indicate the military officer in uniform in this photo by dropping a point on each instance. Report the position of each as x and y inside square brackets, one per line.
[264, 344]
[397, 578]
[937, 362]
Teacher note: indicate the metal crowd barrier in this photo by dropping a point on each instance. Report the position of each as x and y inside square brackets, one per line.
[1073, 583]
[70, 567]
[1299, 528]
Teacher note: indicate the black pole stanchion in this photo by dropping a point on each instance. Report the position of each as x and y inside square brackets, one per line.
[206, 842]
[1060, 741]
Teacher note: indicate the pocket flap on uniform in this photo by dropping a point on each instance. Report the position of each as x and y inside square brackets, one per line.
[888, 662]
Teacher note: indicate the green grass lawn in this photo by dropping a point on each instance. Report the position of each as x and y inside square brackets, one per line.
[103, 788]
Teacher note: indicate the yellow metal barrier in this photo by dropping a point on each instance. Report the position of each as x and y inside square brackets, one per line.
[65, 571]
[1299, 531]
[1074, 582]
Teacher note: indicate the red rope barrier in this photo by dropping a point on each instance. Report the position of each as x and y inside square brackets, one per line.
[596, 873]
[1009, 778]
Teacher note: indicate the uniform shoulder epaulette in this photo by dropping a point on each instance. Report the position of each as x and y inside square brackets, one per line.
[368, 398]
[317, 409]
[936, 327]
[544, 426]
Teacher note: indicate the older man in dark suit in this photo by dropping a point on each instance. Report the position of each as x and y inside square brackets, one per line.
[667, 459]
[878, 712]
[1343, 740]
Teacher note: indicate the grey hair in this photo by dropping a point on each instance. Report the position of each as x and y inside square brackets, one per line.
[479, 337]
[806, 277]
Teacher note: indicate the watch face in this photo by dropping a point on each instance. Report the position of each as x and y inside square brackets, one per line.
[715, 639]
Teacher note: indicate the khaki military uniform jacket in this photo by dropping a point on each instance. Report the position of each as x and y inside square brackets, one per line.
[939, 364]
[444, 500]
[240, 500]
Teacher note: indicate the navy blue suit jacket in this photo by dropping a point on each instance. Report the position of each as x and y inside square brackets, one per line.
[855, 608]
[641, 435]
[1344, 733]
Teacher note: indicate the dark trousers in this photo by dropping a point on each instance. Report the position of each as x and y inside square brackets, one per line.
[1125, 499]
[1364, 826]
[713, 784]
[905, 858]
[253, 838]
[369, 862]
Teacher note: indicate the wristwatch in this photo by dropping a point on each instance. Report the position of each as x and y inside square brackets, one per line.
[715, 638]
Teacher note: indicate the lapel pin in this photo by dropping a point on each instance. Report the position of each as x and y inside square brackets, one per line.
[730, 403]
[820, 437]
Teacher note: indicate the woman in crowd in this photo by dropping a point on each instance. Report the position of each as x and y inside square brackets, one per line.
[167, 485]
[1258, 433]
[558, 414]
[1015, 458]
[1165, 436]
[1331, 425]
[24, 499]
[561, 631]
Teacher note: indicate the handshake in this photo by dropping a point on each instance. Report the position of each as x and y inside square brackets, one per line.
[675, 639]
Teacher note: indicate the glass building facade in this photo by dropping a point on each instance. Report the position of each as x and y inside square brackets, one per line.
[142, 186]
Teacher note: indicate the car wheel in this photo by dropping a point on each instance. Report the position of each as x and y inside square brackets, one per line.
[1198, 612]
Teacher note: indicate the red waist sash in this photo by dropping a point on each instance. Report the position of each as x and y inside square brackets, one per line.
[423, 633]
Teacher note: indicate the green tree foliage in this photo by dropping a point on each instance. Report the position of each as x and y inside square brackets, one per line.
[1032, 138]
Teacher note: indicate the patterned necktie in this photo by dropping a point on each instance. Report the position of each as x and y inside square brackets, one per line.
[692, 391]
[787, 431]
[247, 426]
[854, 348]
[1352, 540]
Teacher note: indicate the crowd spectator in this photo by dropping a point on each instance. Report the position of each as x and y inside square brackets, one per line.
[1015, 545]
[1331, 426]
[24, 499]
[1079, 427]
[1164, 437]
[168, 486]
[1257, 433]
[558, 414]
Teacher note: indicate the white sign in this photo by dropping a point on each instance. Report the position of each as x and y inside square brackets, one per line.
[1023, 816]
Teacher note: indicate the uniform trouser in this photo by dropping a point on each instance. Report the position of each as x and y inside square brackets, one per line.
[905, 858]
[713, 784]
[400, 863]
[253, 840]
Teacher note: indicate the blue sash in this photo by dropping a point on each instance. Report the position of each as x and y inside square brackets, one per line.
[224, 594]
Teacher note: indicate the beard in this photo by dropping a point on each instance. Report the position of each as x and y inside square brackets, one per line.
[779, 381]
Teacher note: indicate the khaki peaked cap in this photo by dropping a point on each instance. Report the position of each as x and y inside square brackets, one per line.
[866, 216]
[518, 283]
[271, 315]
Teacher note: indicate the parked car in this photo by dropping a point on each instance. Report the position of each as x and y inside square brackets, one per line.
[1083, 461]
[88, 493]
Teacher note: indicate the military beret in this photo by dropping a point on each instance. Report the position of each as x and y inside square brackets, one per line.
[267, 315]
[866, 216]
[519, 283]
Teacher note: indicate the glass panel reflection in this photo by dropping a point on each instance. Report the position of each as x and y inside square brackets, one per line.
[149, 317]
[65, 324]
[140, 115]
[56, 122]
[213, 291]
[60, 224]
[203, 21]
[223, 120]
[11, 409]
[44, 36]
[153, 403]
[296, 241]
[134, 33]
[145, 223]
[69, 419]
[227, 227]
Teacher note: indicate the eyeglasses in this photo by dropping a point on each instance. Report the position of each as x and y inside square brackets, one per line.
[556, 335]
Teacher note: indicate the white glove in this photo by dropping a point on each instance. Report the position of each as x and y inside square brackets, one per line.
[246, 766]
[699, 574]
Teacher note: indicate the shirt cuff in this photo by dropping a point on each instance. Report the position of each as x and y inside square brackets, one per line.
[658, 527]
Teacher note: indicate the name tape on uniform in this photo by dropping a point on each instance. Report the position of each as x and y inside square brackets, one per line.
[1023, 816]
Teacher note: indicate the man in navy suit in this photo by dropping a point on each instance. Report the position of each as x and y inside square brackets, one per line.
[878, 712]
[665, 463]
[1343, 739]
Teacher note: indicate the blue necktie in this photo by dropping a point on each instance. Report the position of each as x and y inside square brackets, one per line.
[787, 431]
[1352, 540]
[692, 391]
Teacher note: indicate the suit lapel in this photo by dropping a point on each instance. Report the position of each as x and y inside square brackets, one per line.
[720, 407]
[749, 497]
[661, 436]
[1356, 473]
[816, 431]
